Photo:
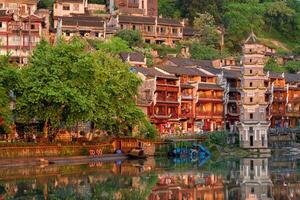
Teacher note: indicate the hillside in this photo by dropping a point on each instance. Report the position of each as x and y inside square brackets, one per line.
[276, 21]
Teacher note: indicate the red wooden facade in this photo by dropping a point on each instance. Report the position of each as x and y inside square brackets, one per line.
[19, 35]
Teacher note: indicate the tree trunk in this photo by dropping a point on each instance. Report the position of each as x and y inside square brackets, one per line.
[46, 129]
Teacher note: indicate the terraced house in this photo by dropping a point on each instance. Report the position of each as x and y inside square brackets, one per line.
[153, 29]
[159, 98]
[73, 17]
[21, 27]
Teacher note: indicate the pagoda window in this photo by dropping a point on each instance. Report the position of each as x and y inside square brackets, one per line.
[251, 99]
[251, 130]
[251, 115]
[250, 50]
[66, 7]
[250, 71]
[251, 84]
[251, 60]
[133, 27]
[122, 26]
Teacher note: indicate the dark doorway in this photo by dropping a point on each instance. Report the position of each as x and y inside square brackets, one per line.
[262, 140]
[251, 140]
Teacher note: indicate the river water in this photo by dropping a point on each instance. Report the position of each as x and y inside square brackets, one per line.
[276, 177]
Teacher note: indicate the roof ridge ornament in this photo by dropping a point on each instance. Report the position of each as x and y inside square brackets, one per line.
[251, 39]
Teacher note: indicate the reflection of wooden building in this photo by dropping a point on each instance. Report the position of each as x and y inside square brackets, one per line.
[188, 186]
[255, 179]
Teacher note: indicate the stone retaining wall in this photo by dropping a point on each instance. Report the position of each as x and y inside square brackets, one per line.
[52, 150]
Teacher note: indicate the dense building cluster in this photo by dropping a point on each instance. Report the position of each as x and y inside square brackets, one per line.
[178, 94]
[182, 95]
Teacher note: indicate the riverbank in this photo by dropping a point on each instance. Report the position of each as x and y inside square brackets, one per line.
[42, 161]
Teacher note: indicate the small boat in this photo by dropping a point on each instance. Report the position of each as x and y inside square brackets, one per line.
[137, 153]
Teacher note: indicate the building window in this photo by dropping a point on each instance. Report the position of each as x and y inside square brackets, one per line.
[133, 27]
[250, 50]
[251, 130]
[250, 71]
[66, 7]
[1, 25]
[251, 99]
[122, 26]
[250, 84]
[251, 60]
[251, 115]
[76, 7]
[32, 26]
[251, 165]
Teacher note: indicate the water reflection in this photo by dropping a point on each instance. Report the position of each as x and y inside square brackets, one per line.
[257, 178]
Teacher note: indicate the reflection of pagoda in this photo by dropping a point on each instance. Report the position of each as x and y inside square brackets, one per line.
[255, 181]
[188, 187]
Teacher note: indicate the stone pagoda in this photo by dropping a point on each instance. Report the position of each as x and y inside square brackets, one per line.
[253, 124]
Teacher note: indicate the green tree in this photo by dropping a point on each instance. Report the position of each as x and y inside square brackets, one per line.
[169, 8]
[239, 20]
[65, 84]
[133, 37]
[114, 45]
[279, 15]
[45, 4]
[203, 52]
[272, 66]
[8, 81]
[207, 29]
[293, 66]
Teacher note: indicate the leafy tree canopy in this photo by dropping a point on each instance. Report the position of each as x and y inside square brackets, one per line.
[65, 84]
[133, 37]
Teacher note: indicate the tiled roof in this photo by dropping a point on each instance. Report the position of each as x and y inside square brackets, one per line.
[166, 21]
[190, 62]
[83, 21]
[231, 73]
[3, 12]
[136, 19]
[69, 1]
[212, 70]
[180, 70]
[275, 75]
[209, 86]
[291, 78]
[20, 1]
[153, 72]
[186, 86]
[133, 56]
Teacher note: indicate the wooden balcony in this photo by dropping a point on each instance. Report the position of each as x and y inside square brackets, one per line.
[187, 96]
[279, 98]
[210, 98]
[165, 99]
[209, 114]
